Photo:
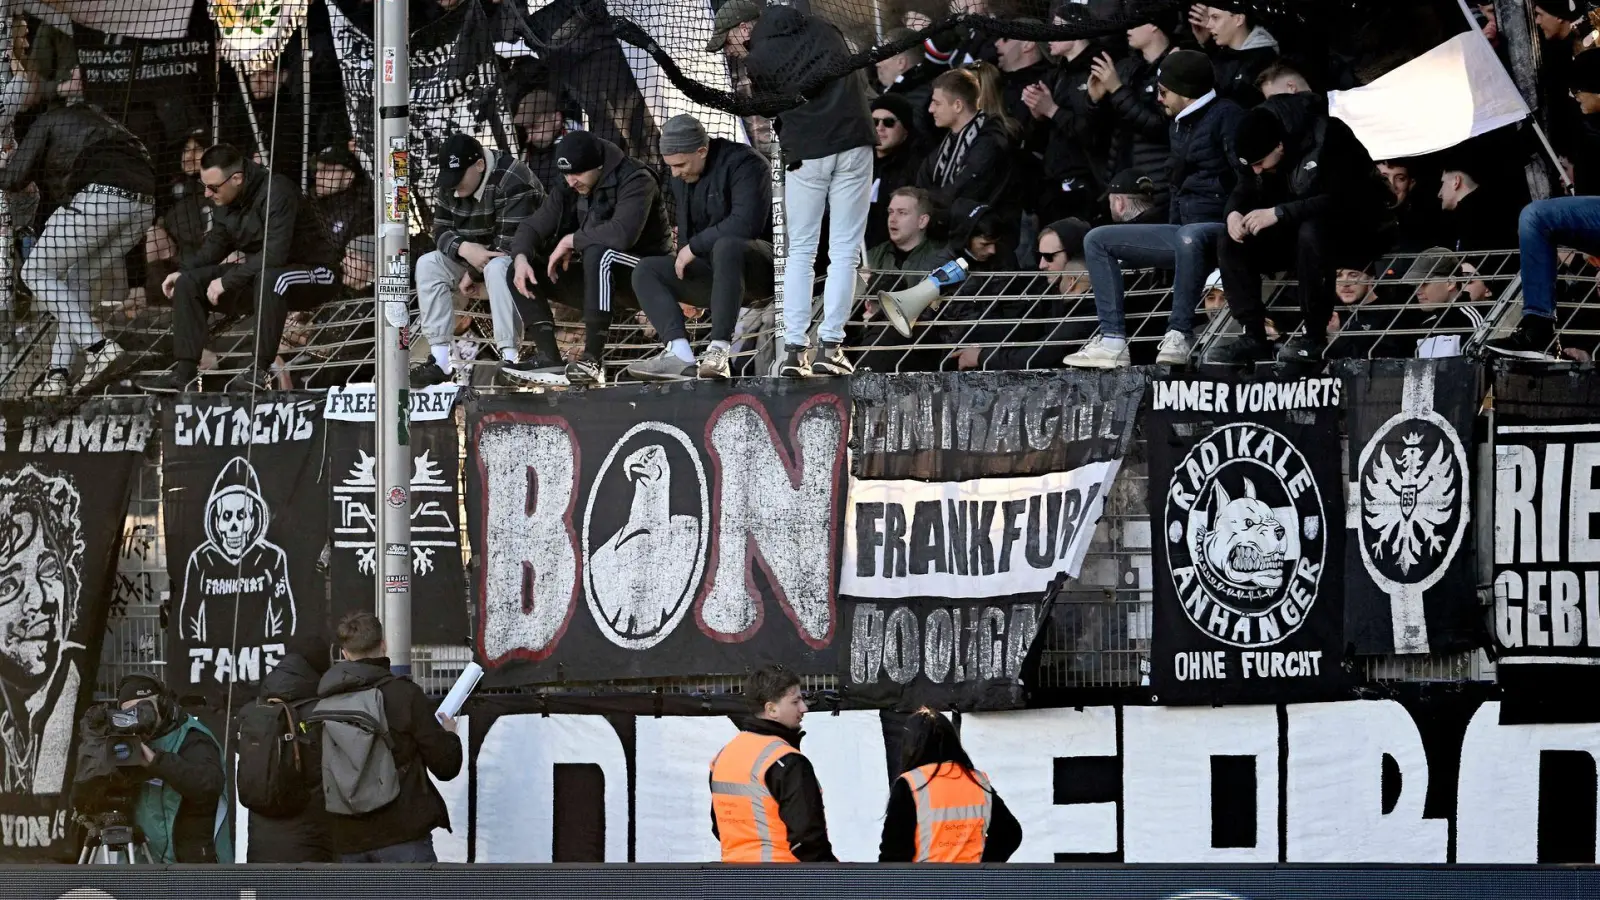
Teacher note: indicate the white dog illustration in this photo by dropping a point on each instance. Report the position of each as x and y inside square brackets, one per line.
[1245, 544]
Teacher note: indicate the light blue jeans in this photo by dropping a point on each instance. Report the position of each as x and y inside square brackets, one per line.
[840, 185]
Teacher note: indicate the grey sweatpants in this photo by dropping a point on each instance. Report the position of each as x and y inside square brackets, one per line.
[437, 278]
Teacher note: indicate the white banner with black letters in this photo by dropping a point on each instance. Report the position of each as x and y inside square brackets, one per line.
[971, 497]
[1248, 599]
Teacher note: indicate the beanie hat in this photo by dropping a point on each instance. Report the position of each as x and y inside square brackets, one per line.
[898, 106]
[1585, 74]
[1071, 233]
[1259, 134]
[1561, 9]
[579, 151]
[682, 134]
[1187, 73]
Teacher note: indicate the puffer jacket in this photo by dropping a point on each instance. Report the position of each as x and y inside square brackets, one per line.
[1203, 168]
[303, 837]
[625, 213]
[1139, 140]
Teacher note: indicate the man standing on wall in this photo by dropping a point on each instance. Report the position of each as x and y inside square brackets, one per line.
[827, 145]
[766, 804]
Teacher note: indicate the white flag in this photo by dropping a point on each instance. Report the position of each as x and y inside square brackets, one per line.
[1457, 90]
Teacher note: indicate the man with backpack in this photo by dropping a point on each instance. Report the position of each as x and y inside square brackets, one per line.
[280, 769]
[379, 742]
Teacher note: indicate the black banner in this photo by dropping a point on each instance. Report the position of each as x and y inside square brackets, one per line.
[246, 517]
[117, 70]
[1248, 588]
[63, 497]
[641, 505]
[1410, 584]
[1546, 616]
[972, 494]
[438, 581]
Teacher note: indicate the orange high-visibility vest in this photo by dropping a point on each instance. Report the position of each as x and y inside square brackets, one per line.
[748, 823]
[952, 812]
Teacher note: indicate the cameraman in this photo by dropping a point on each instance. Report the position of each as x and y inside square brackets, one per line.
[182, 805]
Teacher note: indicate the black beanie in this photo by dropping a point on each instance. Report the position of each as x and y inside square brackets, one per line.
[579, 151]
[1561, 9]
[1585, 73]
[1187, 73]
[899, 107]
[1259, 134]
[1071, 233]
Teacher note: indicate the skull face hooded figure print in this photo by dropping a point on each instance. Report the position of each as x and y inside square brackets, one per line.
[237, 564]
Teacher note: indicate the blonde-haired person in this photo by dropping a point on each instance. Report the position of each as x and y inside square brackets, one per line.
[973, 161]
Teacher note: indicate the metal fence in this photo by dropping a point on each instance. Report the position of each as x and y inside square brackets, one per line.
[1099, 631]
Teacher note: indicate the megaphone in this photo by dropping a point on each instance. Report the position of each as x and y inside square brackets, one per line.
[902, 308]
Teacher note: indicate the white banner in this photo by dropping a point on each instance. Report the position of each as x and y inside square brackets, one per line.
[359, 403]
[1457, 90]
[988, 537]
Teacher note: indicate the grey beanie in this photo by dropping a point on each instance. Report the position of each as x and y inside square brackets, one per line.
[682, 134]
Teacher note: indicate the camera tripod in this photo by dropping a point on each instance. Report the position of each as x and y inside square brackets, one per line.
[111, 839]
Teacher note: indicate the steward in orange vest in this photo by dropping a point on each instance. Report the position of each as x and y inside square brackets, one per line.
[942, 809]
[766, 804]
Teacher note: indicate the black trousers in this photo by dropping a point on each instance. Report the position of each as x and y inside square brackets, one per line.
[277, 290]
[1310, 251]
[601, 287]
[738, 268]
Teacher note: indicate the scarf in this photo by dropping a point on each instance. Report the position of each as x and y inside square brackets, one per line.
[953, 151]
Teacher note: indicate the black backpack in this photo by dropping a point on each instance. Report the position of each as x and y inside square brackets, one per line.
[273, 759]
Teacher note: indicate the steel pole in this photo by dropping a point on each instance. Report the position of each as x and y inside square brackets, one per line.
[391, 159]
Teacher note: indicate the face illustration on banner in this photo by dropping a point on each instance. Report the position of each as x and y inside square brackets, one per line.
[641, 572]
[41, 561]
[433, 527]
[236, 564]
[1413, 500]
[1245, 535]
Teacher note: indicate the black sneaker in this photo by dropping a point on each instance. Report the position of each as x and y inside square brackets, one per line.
[832, 361]
[168, 383]
[536, 370]
[796, 362]
[1534, 338]
[428, 374]
[1302, 350]
[586, 371]
[1243, 350]
[251, 380]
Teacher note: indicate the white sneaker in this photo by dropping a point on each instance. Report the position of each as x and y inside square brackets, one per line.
[54, 385]
[97, 363]
[1098, 355]
[1176, 348]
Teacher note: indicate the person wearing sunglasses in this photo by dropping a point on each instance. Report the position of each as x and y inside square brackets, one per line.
[897, 156]
[290, 261]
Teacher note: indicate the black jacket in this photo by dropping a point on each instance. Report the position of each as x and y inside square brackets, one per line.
[348, 213]
[195, 772]
[1079, 140]
[984, 175]
[732, 198]
[916, 85]
[624, 213]
[304, 837]
[889, 174]
[298, 235]
[793, 783]
[1325, 173]
[74, 145]
[1237, 70]
[421, 745]
[1139, 138]
[1204, 168]
[1481, 221]
[899, 843]
[789, 49]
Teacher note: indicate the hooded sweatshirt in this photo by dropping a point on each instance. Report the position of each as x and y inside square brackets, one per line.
[237, 563]
[789, 49]
[1237, 70]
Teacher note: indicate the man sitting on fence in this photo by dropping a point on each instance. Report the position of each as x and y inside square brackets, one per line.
[289, 262]
[723, 194]
[607, 211]
[482, 198]
[99, 177]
